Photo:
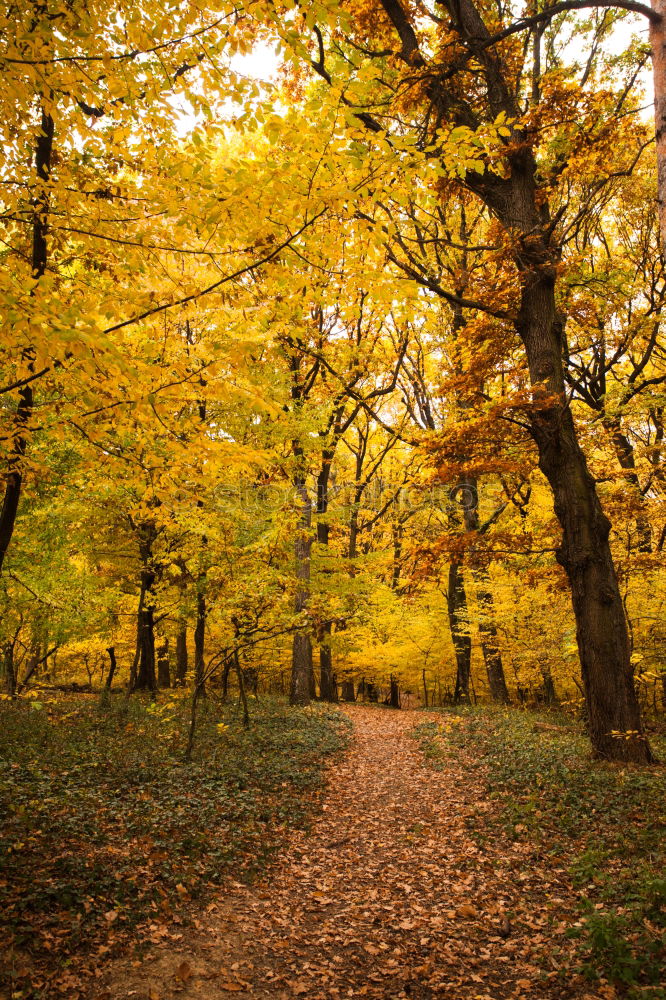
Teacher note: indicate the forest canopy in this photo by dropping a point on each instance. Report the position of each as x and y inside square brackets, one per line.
[345, 378]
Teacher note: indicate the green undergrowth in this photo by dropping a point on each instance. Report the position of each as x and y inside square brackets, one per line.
[605, 823]
[104, 830]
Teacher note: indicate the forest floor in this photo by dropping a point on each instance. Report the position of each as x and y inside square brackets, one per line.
[407, 884]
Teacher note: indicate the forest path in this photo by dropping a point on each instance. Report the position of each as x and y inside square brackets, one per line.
[388, 895]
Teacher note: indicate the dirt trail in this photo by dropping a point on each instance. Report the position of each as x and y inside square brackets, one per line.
[389, 895]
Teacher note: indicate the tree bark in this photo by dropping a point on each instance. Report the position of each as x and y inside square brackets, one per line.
[658, 45]
[462, 642]
[10, 671]
[301, 661]
[39, 260]
[181, 655]
[145, 675]
[112, 667]
[394, 692]
[585, 554]
[492, 656]
[348, 691]
[199, 642]
[328, 687]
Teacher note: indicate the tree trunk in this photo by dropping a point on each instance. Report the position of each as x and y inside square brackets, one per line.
[39, 259]
[163, 671]
[394, 693]
[348, 691]
[10, 671]
[462, 642]
[145, 678]
[492, 656]
[425, 689]
[181, 655]
[515, 199]
[585, 552]
[112, 667]
[328, 688]
[548, 693]
[301, 662]
[658, 45]
[199, 643]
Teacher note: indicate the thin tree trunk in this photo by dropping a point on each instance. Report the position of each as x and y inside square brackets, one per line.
[199, 642]
[462, 642]
[39, 260]
[112, 667]
[492, 656]
[394, 692]
[35, 661]
[181, 655]
[425, 688]
[301, 663]
[658, 45]
[10, 672]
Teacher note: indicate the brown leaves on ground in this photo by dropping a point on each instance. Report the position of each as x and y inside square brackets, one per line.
[391, 894]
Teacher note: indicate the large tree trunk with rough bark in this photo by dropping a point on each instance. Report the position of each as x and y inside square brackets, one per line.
[585, 553]
[614, 716]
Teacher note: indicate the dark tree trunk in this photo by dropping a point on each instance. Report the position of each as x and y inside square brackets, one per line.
[394, 693]
[301, 661]
[328, 688]
[658, 45]
[425, 689]
[181, 655]
[145, 678]
[492, 656]
[348, 691]
[548, 693]
[199, 643]
[9, 668]
[39, 259]
[585, 554]
[112, 667]
[460, 637]
[163, 666]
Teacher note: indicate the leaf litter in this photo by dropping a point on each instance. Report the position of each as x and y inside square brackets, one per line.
[389, 894]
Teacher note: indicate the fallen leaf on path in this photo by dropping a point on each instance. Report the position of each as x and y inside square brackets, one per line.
[184, 972]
